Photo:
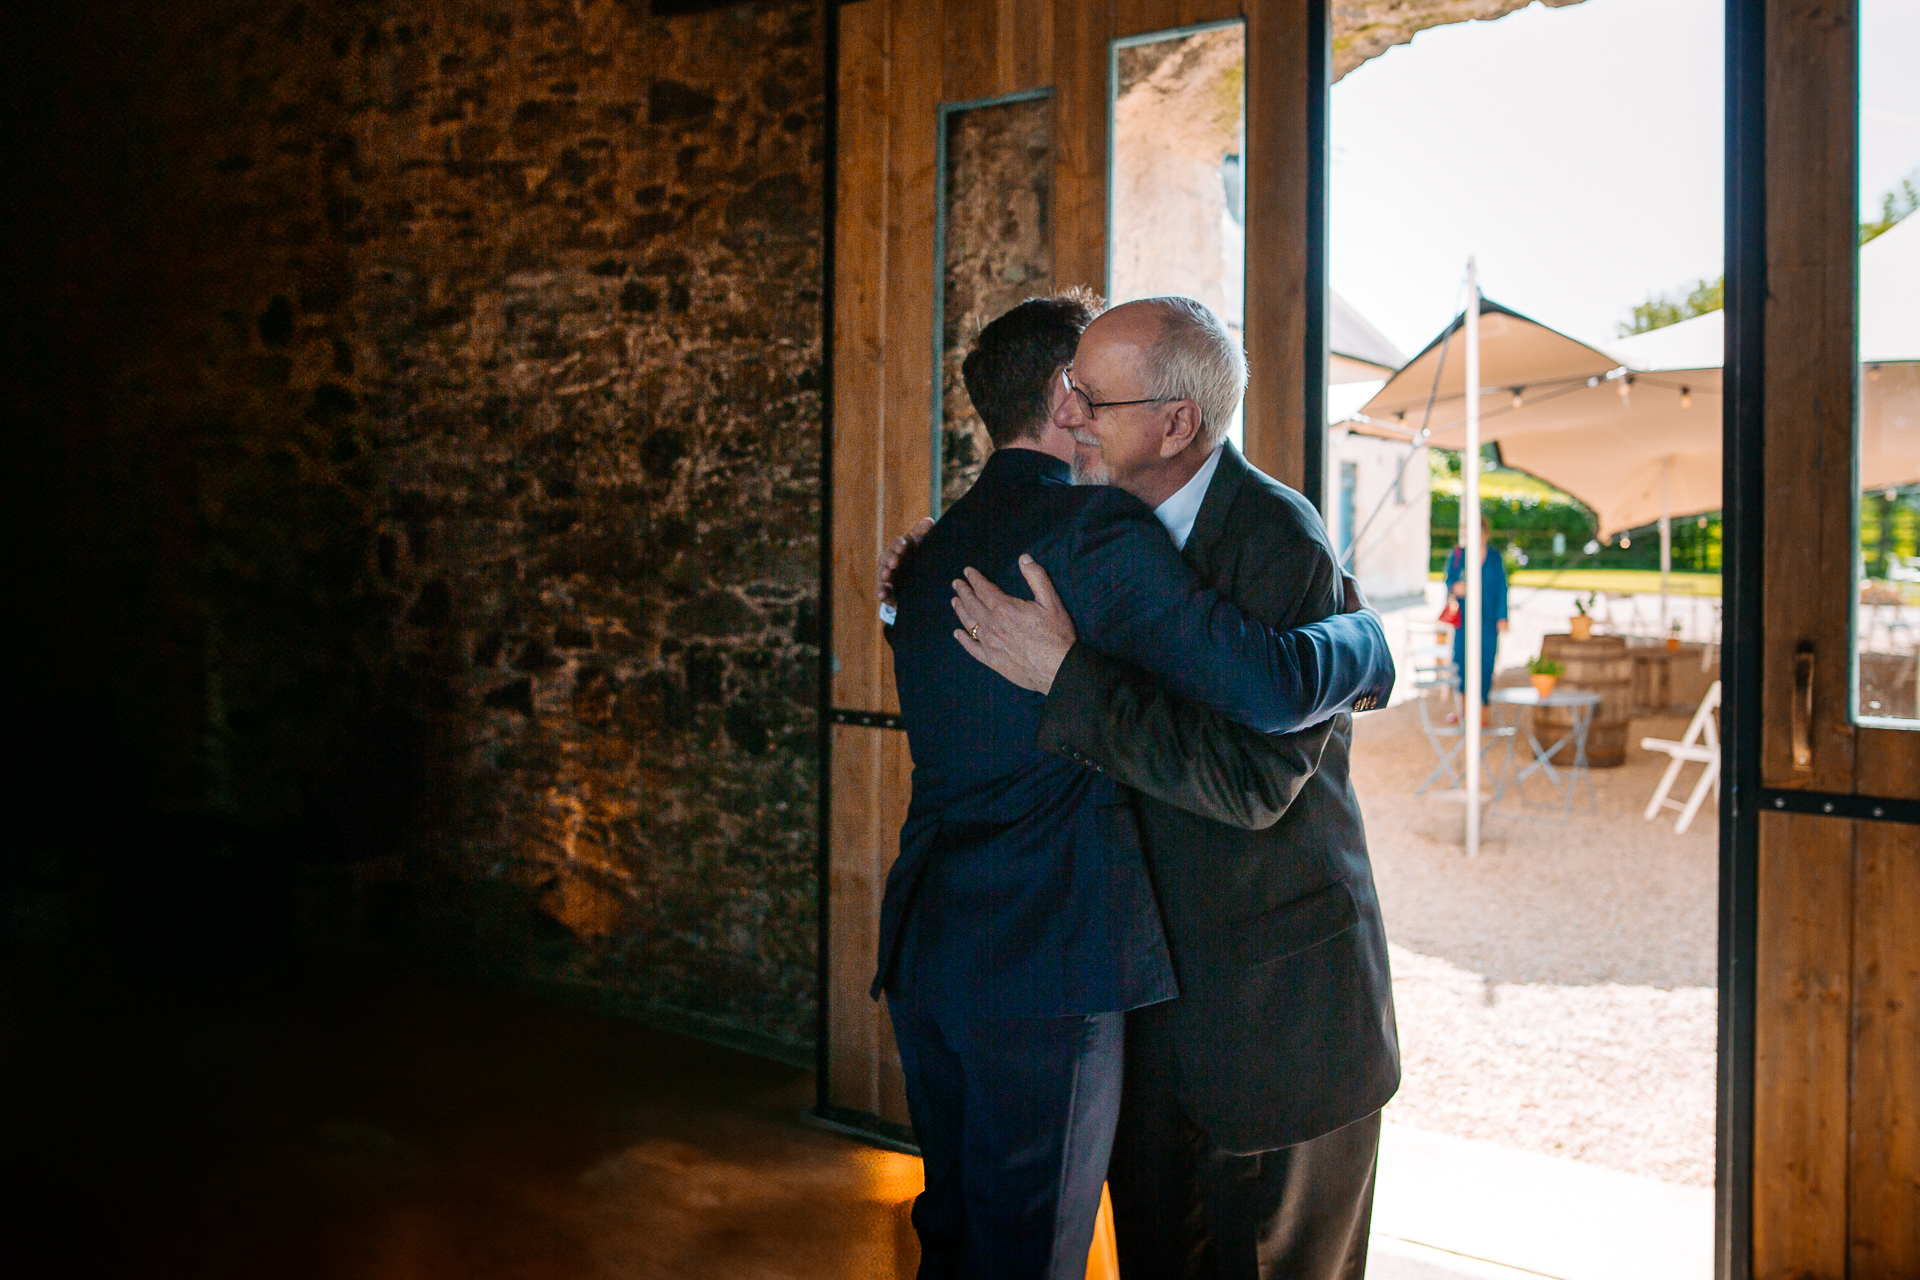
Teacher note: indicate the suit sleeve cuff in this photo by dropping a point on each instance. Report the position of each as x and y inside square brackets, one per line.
[1076, 700]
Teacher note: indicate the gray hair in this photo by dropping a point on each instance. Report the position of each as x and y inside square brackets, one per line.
[1196, 359]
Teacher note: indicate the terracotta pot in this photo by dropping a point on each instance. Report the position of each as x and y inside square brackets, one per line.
[1580, 627]
[1543, 685]
[1673, 644]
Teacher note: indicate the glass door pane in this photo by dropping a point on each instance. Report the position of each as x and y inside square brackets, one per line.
[1887, 506]
[995, 244]
[1177, 195]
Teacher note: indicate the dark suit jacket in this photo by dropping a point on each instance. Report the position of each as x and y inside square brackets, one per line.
[1284, 1027]
[1022, 871]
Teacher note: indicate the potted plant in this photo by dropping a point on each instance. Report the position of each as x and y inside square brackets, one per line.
[1581, 623]
[1544, 672]
[1673, 636]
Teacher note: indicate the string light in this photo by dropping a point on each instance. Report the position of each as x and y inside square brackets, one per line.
[1517, 402]
[1686, 397]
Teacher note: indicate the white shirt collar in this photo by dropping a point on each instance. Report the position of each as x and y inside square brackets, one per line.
[1180, 511]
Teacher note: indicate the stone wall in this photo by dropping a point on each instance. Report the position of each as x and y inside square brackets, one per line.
[431, 396]
[1365, 29]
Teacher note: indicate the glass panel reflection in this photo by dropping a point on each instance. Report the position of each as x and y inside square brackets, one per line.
[1887, 513]
[1177, 195]
[997, 225]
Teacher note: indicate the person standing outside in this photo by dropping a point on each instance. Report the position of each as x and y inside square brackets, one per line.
[1493, 613]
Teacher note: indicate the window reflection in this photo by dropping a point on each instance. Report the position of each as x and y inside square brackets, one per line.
[1887, 512]
[997, 250]
[1177, 196]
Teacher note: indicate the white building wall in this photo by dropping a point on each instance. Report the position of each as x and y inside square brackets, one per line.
[1391, 559]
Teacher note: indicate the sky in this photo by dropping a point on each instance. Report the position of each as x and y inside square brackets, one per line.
[1576, 153]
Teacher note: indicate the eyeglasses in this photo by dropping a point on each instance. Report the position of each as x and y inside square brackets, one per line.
[1066, 376]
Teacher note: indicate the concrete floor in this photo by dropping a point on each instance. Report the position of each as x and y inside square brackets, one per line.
[368, 1125]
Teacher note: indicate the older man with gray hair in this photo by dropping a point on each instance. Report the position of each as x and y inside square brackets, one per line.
[1250, 1118]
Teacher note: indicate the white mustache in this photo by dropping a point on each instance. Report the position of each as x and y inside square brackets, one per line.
[1082, 437]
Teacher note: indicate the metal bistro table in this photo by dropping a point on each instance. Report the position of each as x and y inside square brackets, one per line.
[1567, 778]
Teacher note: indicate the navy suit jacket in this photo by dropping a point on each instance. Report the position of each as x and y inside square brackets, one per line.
[1022, 872]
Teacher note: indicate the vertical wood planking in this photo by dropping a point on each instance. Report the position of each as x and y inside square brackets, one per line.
[1277, 157]
[896, 784]
[1143, 17]
[1885, 1119]
[916, 44]
[1887, 763]
[1812, 242]
[970, 39]
[856, 835]
[854, 881]
[1029, 44]
[1802, 1009]
[859, 351]
[1080, 33]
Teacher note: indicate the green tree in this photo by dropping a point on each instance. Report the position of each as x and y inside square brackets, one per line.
[1894, 205]
[1661, 310]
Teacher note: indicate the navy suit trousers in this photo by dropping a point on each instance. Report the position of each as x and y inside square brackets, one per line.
[1015, 1120]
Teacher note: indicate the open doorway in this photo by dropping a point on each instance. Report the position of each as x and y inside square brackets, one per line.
[1556, 994]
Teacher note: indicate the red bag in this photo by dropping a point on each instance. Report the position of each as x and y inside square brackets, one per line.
[1450, 614]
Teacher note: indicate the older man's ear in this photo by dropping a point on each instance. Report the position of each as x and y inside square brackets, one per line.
[1355, 602]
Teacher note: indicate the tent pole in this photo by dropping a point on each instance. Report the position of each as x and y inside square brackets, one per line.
[1666, 538]
[1470, 571]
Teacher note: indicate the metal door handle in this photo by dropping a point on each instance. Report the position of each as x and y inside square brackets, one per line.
[1803, 708]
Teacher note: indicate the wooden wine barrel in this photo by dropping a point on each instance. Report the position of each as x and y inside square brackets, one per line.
[1598, 665]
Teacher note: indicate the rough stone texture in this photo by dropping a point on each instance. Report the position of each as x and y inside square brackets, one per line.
[1368, 28]
[444, 380]
[589, 249]
[999, 249]
[1181, 112]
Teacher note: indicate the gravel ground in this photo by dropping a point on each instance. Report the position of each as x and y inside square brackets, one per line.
[1557, 993]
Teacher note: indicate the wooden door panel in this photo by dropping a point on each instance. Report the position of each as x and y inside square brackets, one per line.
[907, 465]
[1801, 1047]
[1080, 35]
[1887, 763]
[1141, 17]
[855, 879]
[1884, 1127]
[860, 348]
[1836, 1186]
[1279, 97]
[899, 60]
[995, 47]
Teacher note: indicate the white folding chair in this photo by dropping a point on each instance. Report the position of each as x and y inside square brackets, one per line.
[1700, 746]
[1434, 681]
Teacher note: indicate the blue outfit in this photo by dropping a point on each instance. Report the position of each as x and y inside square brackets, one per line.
[1493, 610]
[1019, 920]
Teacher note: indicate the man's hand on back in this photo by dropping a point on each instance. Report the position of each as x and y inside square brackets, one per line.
[1354, 601]
[895, 554]
[1023, 640]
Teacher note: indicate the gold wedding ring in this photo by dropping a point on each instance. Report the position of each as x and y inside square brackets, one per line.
[974, 631]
